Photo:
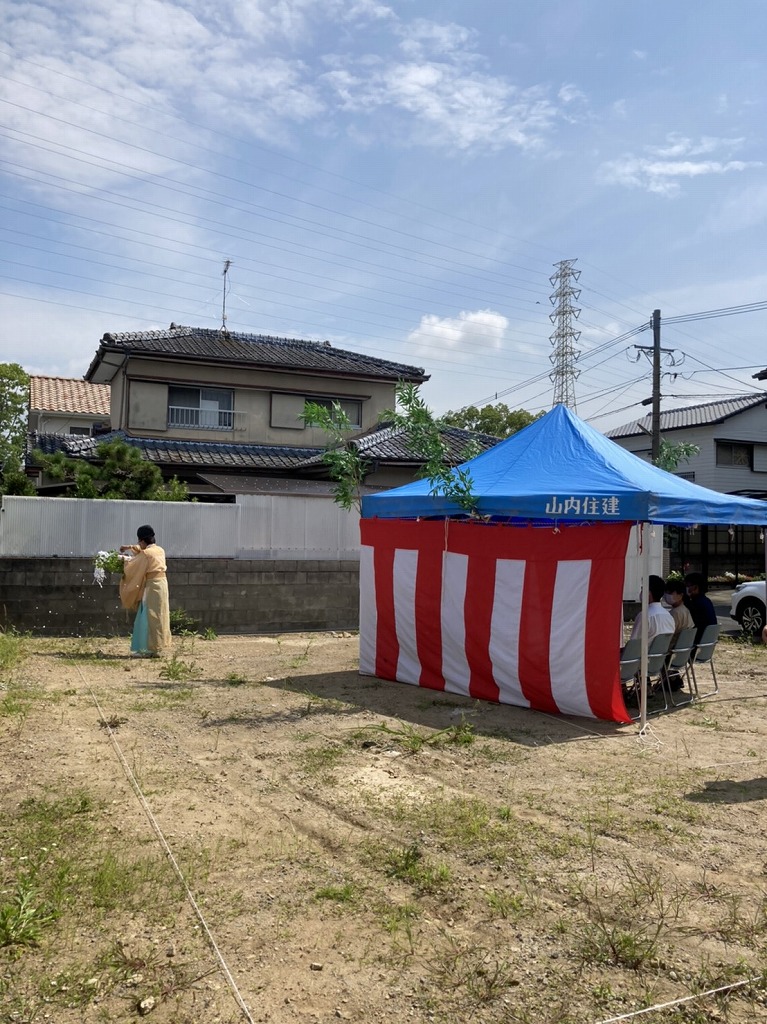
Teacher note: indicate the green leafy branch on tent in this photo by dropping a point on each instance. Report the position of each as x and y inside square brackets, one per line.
[424, 435]
[672, 454]
[346, 466]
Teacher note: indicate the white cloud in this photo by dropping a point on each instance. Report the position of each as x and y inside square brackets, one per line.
[662, 170]
[681, 146]
[422, 39]
[451, 106]
[369, 9]
[569, 93]
[466, 334]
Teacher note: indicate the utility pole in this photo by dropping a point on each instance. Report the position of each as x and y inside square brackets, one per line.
[565, 335]
[227, 265]
[655, 353]
[655, 386]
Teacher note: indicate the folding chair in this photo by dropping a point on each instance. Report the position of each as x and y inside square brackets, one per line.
[679, 660]
[702, 655]
[631, 655]
[656, 660]
[631, 664]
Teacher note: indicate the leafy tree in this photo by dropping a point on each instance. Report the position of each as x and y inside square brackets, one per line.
[424, 434]
[672, 454]
[346, 466]
[14, 396]
[498, 420]
[120, 472]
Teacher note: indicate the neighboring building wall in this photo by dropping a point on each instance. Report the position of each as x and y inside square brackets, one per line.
[65, 423]
[57, 596]
[749, 426]
[143, 409]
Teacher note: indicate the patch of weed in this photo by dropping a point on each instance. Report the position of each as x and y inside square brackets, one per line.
[625, 922]
[506, 904]
[323, 705]
[23, 918]
[12, 649]
[302, 658]
[322, 760]
[472, 827]
[743, 923]
[409, 865]
[181, 622]
[176, 669]
[471, 974]
[346, 893]
[412, 740]
[113, 722]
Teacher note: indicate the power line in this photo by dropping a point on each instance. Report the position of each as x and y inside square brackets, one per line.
[712, 314]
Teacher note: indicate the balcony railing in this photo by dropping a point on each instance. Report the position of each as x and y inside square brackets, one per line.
[203, 419]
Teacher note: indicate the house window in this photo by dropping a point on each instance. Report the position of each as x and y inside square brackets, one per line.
[352, 409]
[731, 454]
[200, 408]
[80, 431]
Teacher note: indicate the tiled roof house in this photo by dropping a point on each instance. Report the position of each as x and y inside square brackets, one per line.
[66, 405]
[223, 411]
[731, 434]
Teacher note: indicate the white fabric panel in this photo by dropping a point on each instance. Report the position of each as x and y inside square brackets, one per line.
[405, 569]
[567, 644]
[455, 667]
[368, 612]
[504, 629]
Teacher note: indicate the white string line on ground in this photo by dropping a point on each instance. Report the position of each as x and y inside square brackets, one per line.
[679, 1002]
[169, 853]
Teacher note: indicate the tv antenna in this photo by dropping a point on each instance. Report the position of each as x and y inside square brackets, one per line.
[227, 265]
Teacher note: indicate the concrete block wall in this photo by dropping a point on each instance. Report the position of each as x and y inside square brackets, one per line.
[57, 596]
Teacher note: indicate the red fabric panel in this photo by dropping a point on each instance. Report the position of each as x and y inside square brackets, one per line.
[604, 620]
[535, 634]
[428, 619]
[387, 645]
[478, 611]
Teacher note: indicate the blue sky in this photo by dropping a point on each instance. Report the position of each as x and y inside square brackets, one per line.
[396, 177]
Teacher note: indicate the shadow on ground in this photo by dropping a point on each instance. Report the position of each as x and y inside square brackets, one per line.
[728, 791]
[348, 693]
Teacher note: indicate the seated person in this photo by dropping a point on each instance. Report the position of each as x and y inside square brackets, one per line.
[659, 619]
[701, 608]
[674, 598]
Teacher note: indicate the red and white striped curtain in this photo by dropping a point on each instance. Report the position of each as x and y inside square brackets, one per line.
[517, 614]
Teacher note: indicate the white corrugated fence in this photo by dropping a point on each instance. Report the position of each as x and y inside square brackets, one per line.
[275, 526]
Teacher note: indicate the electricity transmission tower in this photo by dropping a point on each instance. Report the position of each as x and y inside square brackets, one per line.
[565, 335]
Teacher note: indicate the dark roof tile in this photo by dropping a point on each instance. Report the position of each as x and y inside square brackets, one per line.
[691, 416]
[255, 350]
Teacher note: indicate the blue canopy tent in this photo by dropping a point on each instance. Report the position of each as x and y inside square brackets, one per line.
[559, 472]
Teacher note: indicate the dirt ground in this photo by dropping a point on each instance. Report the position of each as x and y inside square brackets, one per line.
[368, 851]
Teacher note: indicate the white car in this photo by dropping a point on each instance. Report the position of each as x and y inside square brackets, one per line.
[748, 606]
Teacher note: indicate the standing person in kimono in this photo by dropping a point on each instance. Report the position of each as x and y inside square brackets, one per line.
[144, 587]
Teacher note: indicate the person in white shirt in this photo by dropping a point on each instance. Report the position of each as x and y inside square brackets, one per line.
[659, 619]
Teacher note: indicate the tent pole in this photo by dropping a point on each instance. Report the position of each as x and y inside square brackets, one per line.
[644, 563]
